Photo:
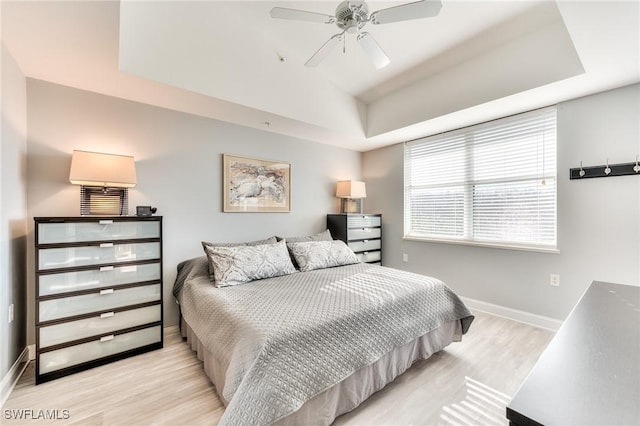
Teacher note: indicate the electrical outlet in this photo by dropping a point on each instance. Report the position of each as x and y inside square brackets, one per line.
[10, 313]
[405, 257]
[554, 280]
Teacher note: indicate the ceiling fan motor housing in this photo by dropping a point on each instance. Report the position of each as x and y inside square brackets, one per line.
[350, 14]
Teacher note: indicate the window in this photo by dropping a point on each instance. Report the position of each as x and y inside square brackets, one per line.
[489, 184]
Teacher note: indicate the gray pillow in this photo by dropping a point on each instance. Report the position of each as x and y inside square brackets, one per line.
[312, 255]
[241, 264]
[321, 236]
[205, 244]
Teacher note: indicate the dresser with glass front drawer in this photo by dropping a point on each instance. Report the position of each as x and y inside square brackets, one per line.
[98, 291]
[361, 232]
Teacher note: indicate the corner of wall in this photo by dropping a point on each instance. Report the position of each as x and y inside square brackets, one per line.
[13, 215]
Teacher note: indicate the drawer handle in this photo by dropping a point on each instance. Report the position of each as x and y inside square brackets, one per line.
[106, 291]
[365, 241]
[106, 222]
[106, 338]
[106, 268]
[366, 253]
[107, 314]
[104, 245]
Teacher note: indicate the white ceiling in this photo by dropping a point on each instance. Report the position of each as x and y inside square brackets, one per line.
[475, 61]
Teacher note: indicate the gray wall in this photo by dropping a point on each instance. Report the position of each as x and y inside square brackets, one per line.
[13, 212]
[178, 159]
[598, 219]
[178, 162]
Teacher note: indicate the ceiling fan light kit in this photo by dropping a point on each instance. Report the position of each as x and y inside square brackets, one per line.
[351, 17]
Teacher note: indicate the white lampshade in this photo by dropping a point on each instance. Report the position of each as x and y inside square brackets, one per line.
[106, 170]
[351, 189]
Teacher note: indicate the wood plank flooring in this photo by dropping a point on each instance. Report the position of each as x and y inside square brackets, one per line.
[468, 383]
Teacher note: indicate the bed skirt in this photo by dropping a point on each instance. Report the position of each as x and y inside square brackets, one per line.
[352, 391]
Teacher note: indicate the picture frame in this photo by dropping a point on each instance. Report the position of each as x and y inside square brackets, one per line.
[255, 185]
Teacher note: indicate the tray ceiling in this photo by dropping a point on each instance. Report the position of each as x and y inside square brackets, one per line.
[476, 61]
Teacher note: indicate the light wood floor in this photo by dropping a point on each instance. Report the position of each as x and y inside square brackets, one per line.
[468, 383]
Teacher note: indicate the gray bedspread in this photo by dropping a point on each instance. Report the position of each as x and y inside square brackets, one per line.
[284, 340]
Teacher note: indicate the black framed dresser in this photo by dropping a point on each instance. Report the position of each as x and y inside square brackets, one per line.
[98, 291]
[361, 232]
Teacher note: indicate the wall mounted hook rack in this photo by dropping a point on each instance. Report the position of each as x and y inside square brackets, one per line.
[605, 170]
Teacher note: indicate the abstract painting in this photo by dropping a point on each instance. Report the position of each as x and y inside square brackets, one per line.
[254, 185]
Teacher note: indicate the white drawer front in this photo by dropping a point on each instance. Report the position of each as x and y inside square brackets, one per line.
[96, 302]
[363, 234]
[68, 257]
[100, 230]
[74, 355]
[356, 221]
[101, 324]
[371, 256]
[365, 245]
[102, 277]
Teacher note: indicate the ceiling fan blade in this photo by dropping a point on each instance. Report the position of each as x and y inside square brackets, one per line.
[324, 51]
[405, 12]
[373, 50]
[301, 15]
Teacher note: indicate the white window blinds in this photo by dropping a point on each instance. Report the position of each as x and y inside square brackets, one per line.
[493, 183]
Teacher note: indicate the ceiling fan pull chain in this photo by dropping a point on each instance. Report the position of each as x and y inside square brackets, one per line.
[344, 45]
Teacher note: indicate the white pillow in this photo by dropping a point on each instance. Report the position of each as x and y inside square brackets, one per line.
[312, 255]
[241, 264]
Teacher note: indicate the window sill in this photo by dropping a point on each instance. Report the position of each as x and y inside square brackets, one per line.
[486, 245]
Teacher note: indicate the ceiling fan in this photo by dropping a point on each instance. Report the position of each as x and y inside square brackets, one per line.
[351, 17]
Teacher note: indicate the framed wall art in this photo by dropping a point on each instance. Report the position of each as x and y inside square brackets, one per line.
[254, 185]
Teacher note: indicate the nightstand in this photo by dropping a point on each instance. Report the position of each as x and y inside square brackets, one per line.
[361, 232]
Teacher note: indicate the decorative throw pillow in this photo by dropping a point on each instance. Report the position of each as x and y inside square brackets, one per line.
[241, 264]
[312, 255]
[205, 244]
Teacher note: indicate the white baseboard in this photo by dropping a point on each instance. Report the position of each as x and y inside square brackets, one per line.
[32, 352]
[513, 314]
[13, 375]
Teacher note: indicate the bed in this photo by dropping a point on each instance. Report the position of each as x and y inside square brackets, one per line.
[307, 346]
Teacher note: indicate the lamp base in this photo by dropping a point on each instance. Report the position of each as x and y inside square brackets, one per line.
[351, 205]
[103, 201]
